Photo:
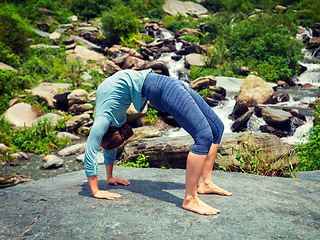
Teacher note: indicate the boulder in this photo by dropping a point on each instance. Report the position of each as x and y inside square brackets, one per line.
[241, 123]
[7, 67]
[67, 134]
[85, 54]
[274, 131]
[45, 93]
[71, 150]
[254, 90]
[133, 63]
[278, 97]
[173, 7]
[20, 115]
[81, 108]
[173, 151]
[10, 180]
[195, 59]
[73, 123]
[54, 36]
[277, 118]
[53, 118]
[53, 163]
[203, 82]
[77, 96]
[157, 67]
[109, 67]
[3, 149]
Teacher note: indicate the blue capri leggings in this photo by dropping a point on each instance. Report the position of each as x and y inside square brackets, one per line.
[187, 107]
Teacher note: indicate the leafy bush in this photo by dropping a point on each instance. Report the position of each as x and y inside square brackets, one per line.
[40, 138]
[176, 23]
[14, 34]
[119, 22]
[151, 116]
[309, 153]
[141, 162]
[265, 43]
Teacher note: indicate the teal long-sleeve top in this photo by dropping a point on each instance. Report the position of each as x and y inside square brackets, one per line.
[114, 96]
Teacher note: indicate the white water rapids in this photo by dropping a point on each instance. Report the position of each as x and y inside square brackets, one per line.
[232, 85]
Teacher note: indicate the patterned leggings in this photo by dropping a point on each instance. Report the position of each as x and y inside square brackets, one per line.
[187, 107]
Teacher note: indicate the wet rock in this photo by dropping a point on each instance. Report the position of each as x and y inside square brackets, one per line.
[277, 118]
[203, 82]
[20, 115]
[78, 148]
[48, 157]
[274, 131]
[254, 90]
[73, 123]
[241, 123]
[278, 97]
[52, 163]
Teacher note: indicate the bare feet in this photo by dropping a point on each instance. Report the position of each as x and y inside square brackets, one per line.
[196, 205]
[212, 188]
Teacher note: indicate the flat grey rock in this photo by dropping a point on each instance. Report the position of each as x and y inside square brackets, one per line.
[150, 208]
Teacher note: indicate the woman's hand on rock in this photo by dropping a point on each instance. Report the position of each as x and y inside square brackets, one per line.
[115, 181]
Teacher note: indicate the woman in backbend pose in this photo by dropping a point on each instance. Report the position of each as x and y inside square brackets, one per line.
[114, 96]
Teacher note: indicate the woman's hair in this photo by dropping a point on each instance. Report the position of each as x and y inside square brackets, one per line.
[114, 137]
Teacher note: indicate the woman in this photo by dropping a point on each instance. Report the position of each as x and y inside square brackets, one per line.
[170, 95]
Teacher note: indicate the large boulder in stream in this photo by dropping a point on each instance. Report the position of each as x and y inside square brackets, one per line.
[254, 90]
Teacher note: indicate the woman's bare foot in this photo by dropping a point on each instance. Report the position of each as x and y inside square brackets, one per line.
[196, 205]
[212, 188]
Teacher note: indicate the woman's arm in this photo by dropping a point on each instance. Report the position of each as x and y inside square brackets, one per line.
[114, 181]
[93, 182]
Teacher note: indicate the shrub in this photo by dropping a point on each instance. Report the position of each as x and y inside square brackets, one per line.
[309, 152]
[14, 33]
[176, 23]
[119, 22]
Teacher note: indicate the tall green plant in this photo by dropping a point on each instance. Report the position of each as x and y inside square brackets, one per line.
[309, 152]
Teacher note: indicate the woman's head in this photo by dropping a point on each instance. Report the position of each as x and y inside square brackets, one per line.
[114, 137]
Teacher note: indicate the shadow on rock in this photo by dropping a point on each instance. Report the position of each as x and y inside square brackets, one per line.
[153, 189]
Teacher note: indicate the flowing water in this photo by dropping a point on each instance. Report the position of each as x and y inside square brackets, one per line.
[299, 97]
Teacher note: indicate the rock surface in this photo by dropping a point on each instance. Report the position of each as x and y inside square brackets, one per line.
[21, 114]
[173, 7]
[150, 208]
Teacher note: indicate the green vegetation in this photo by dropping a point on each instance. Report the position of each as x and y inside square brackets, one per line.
[151, 116]
[141, 162]
[309, 152]
[39, 138]
[253, 159]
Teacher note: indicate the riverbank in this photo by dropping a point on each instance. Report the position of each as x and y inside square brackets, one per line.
[150, 208]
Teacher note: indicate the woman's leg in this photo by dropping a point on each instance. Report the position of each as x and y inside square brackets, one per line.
[191, 200]
[206, 185]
